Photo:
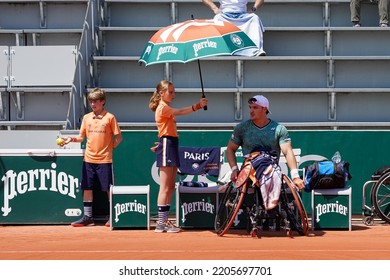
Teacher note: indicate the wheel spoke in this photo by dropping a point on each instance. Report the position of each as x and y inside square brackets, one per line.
[381, 197]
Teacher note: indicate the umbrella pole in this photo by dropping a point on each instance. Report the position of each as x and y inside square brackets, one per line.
[200, 75]
[201, 83]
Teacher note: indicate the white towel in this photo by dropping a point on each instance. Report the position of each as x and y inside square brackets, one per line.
[270, 186]
[251, 24]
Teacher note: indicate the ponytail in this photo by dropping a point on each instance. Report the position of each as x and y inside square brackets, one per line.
[156, 97]
[154, 101]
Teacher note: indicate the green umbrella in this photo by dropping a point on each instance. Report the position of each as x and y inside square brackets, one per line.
[194, 39]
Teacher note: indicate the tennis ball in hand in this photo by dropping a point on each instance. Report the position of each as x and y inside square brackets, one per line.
[60, 141]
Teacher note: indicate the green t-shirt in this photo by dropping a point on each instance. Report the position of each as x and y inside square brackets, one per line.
[252, 138]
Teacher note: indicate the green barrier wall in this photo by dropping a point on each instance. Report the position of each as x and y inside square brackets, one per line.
[52, 199]
[364, 150]
[40, 186]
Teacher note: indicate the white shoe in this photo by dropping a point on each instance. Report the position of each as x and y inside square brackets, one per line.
[167, 227]
[260, 53]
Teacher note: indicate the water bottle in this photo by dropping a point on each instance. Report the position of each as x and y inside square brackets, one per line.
[336, 157]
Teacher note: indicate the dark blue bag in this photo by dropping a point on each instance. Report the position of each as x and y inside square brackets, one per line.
[326, 175]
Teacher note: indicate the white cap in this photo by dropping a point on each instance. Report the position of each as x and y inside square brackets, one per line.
[261, 101]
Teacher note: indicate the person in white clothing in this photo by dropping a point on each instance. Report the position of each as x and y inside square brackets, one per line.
[236, 12]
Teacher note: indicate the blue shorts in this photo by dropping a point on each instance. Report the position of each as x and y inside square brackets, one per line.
[168, 152]
[96, 175]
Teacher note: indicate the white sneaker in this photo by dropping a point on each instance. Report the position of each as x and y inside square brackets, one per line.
[260, 53]
[167, 227]
[172, 228]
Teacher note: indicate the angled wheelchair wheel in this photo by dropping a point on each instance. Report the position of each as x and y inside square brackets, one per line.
[381, 197]
[231, 202]
[292, 204]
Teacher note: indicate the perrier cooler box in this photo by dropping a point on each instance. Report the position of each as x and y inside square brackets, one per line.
[331, 208]
[196, 207]
[40, 186]
[130, 207]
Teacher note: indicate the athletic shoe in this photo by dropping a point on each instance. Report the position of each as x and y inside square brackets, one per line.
[161, 228]
[167, 227]
[384, 25]
[357, 24]
[260, 53]
[84, 222]
[173, 228]
[107, 224]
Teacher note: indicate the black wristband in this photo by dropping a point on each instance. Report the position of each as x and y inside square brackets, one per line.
[253, 9]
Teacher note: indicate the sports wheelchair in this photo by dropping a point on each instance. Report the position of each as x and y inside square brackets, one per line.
[379, 197]
[245, 194]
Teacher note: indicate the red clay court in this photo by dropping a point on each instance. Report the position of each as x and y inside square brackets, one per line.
[63, 242]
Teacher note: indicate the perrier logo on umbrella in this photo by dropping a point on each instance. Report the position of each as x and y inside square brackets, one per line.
[206, 44]
[166, 50]
[194, 39]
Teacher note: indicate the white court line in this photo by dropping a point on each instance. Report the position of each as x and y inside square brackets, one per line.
[192, 251]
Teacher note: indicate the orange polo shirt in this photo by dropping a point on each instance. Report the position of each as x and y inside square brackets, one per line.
[165, 120]
[100, 131]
